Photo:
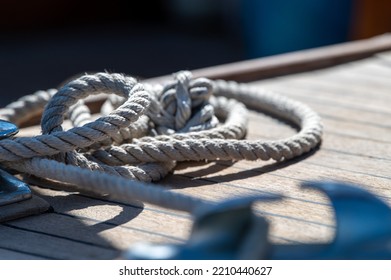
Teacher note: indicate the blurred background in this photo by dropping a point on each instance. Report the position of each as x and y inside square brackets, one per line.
[43, 43]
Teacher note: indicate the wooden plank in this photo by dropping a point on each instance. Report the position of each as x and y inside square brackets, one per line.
[377, 69]
[329, 109]
[353, 102]
[353, 86]
[24, 208]
[137, 221]
[48, 246]
[6, 254]
[385, 57]
[279, 177]
[338, 140]
[86, 230]
[372, 106]
[294, 62]
[316, 169]
[258, 177]
[353, 130]
[285, 214]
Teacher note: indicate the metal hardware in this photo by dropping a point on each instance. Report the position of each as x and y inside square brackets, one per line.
[231, 230]
[363, 226]
[12, 190]
[7, 129]
[16, 199]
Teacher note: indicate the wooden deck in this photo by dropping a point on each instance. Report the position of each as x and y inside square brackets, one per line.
[353, 99]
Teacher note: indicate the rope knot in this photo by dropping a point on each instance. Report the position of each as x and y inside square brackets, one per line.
[183, 105]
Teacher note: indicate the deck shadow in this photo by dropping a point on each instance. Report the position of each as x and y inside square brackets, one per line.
[202, 176]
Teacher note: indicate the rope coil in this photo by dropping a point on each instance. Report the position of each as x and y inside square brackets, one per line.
[145, 130]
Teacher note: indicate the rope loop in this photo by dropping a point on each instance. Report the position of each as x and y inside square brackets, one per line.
[145, 130]
[183, 105]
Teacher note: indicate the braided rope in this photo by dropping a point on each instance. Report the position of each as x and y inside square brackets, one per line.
[114, 186]
[22, 109]
[97, 153]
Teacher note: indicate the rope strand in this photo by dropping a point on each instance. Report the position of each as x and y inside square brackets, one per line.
[145, 130]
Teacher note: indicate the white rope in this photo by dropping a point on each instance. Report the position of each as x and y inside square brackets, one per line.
[145, 130]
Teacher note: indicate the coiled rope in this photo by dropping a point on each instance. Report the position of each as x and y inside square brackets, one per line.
[145, 130]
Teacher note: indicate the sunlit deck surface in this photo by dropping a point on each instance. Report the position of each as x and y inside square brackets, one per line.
[353, 98]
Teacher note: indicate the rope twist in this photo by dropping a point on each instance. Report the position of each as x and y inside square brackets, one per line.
[144, 130]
